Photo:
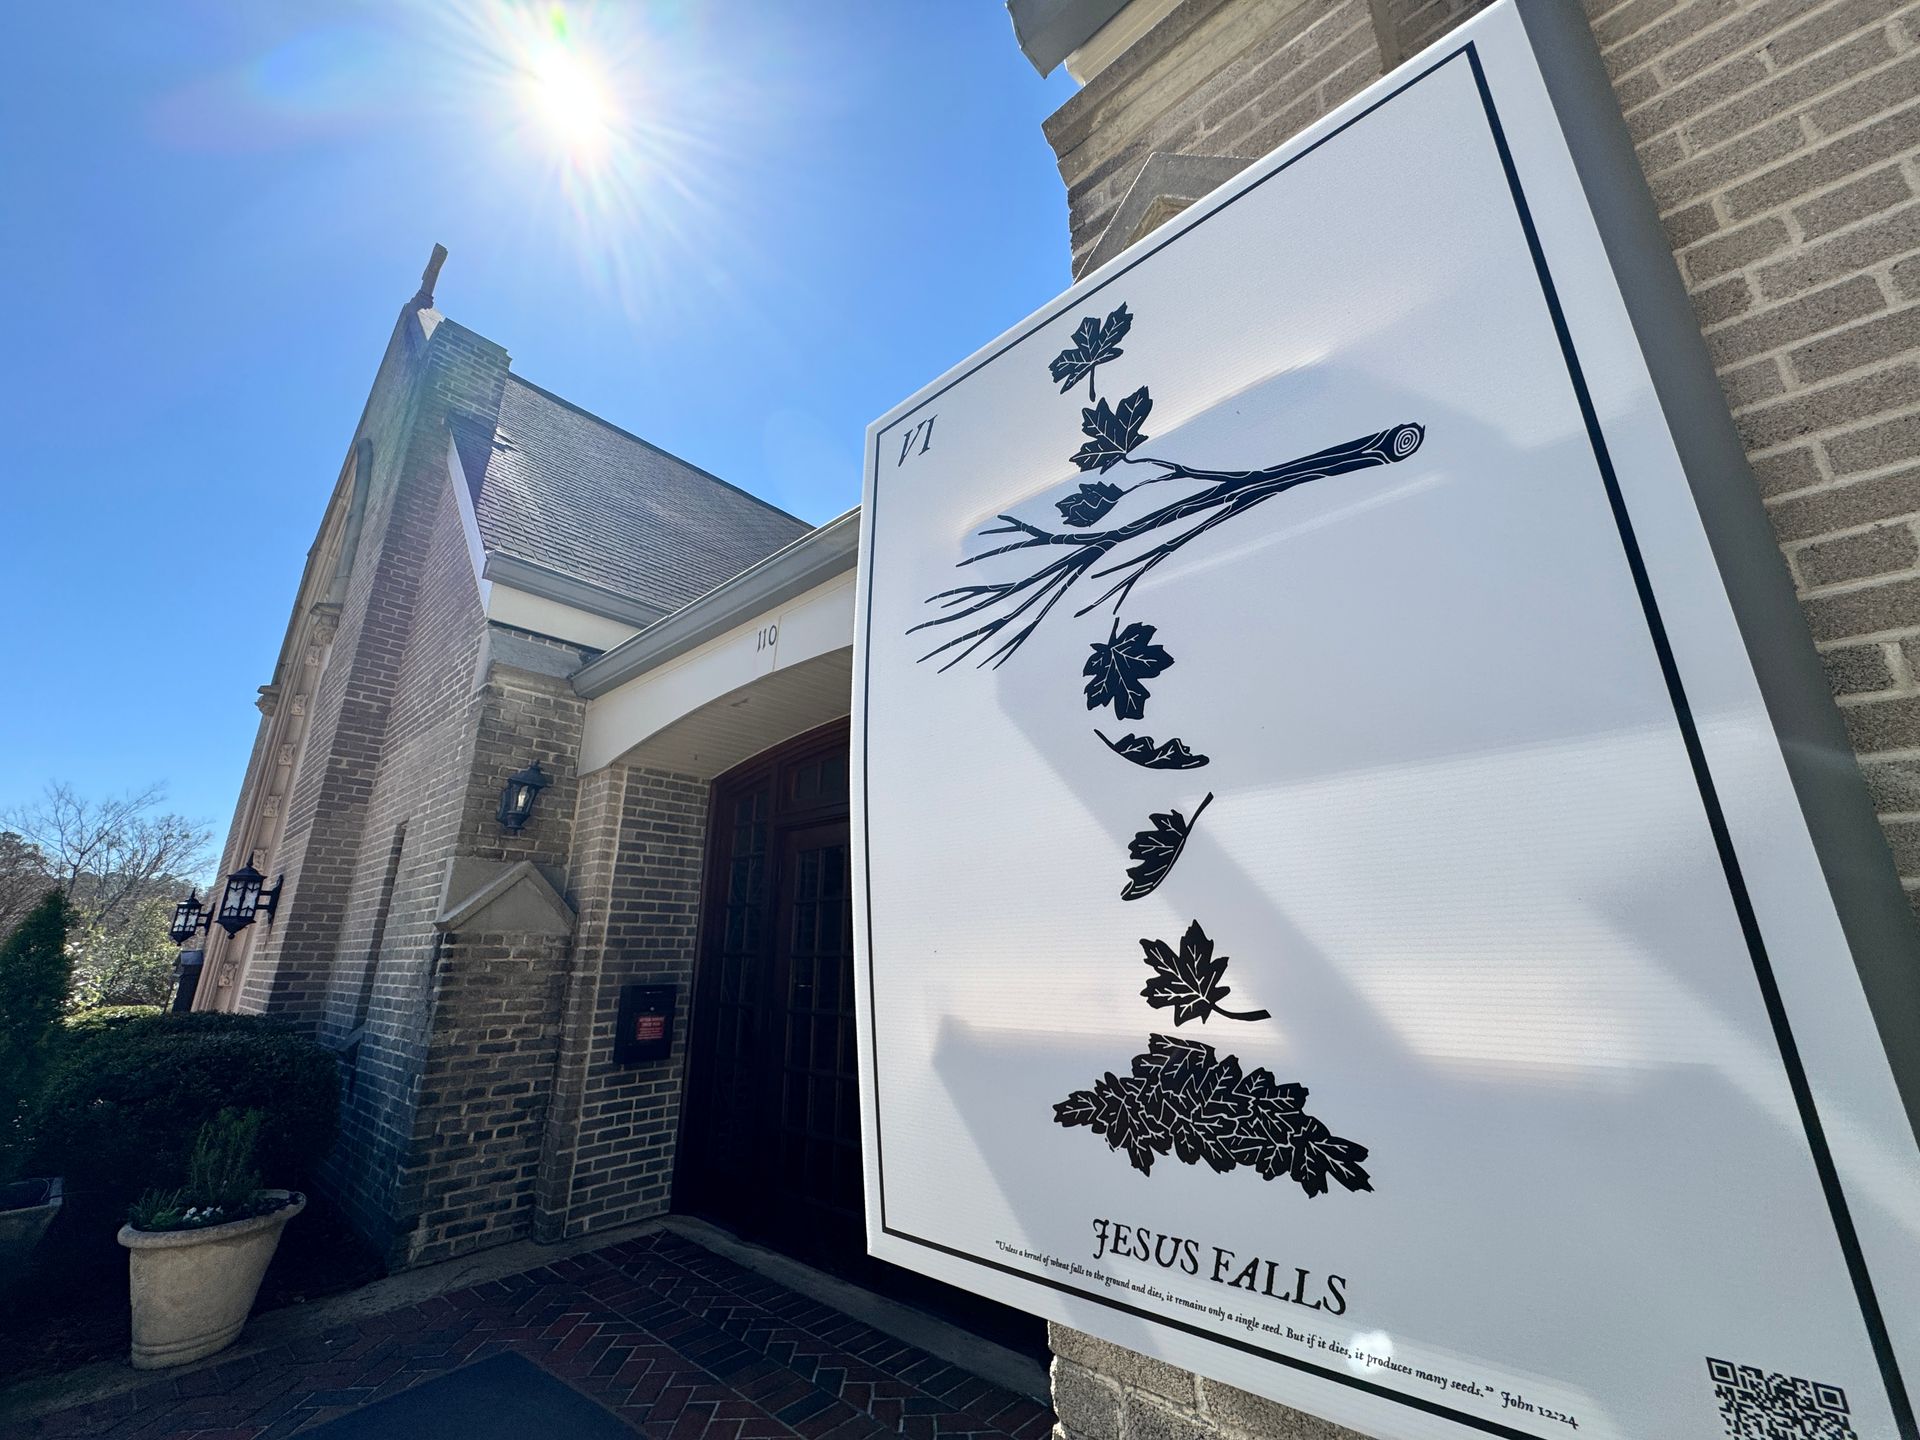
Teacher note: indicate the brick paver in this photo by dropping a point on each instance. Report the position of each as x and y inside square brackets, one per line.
[675, 1340]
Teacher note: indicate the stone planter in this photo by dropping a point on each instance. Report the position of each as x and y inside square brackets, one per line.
[193, 1289]
[27, 1208]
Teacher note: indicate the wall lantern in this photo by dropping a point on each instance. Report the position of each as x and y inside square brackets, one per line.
[189, 919]
[517, 797]
[243, 899]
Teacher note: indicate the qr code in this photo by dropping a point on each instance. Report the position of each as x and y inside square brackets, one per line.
[1757, 1406]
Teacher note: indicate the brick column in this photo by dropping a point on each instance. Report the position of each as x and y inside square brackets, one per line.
[609, 1155]
[481, 1117]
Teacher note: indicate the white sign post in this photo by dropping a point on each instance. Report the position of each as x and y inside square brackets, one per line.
[1362, 892]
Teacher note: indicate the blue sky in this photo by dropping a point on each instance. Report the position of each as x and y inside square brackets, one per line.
[214, 212]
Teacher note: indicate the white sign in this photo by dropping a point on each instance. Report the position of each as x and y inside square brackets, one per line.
[1336, 911]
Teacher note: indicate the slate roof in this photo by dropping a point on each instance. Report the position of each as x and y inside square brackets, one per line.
[565, 490]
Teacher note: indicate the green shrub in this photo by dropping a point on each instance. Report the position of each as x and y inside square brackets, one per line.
[127, 1099]
[105, 1017]
[85, 1025]
[35, 974]
[222, 1184]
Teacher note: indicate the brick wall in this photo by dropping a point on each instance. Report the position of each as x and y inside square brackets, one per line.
[478, 1127]
[455, 1047]
[407, 743]
[378, 976]
[1214, 78]
[485, 1105]
[641, 849]
[524, 717]
[432, 368]
[474, 1019]
[345, 715]
[1104, 1392]
[1779, 138]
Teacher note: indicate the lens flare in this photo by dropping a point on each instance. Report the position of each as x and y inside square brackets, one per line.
[623, 137]
[568, 96]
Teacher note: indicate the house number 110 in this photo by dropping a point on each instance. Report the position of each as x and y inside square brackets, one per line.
[767, 638]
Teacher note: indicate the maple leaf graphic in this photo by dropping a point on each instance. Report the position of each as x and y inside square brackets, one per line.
[1140, 749]
[1182, 1098]
[1094, 343]
[1118, 666]
[1157, 848]
[1089, 503]
[1112, 433]
[1190, 981]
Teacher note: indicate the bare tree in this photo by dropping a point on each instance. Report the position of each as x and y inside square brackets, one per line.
[109, 855]
[24, 879]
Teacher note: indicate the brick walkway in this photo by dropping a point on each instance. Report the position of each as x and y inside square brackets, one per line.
[676, 1341]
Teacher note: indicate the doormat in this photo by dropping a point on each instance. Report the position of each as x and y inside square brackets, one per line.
[505, 1397]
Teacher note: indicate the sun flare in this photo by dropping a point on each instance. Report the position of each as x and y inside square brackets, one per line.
[606, 129]
[569, 97]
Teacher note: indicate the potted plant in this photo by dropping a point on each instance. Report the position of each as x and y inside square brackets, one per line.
[27, 1208]
[198, 1253]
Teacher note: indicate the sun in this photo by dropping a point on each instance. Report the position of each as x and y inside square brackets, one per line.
[604, 127]
[567, 95]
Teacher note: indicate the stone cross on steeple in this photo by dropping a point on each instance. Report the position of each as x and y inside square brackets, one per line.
[423, 297]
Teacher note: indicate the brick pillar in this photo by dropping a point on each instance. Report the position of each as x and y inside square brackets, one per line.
[471, 1170]
[609, 1155]
[1212, 79]
[1406, 27]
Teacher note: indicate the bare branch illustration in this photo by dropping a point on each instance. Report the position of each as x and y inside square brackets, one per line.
[1010, 611]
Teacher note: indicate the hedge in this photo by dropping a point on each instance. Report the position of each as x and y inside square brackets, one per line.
[105, 1017]
[35, 974]
[129, 1093]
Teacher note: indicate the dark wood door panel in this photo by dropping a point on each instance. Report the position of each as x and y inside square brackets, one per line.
[771, 1143]
[817, 1186]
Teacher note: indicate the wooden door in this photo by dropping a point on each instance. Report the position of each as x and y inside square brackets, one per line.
[816, 1155]
[771, 1144]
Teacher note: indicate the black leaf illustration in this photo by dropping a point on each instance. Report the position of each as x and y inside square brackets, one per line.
[1094, 343]
[1089, 503]
[1117, 667]
[1140, 749]
[1319, 1155]
[1190, 980]
[1112, 433]
[1157, 849]
[1183, 1099]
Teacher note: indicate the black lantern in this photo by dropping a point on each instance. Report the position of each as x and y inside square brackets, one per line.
[189, 919]
[517, 797]
[244, 899]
